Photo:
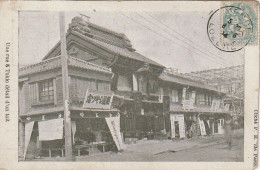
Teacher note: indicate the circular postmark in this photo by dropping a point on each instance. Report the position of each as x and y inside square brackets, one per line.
[229, 29]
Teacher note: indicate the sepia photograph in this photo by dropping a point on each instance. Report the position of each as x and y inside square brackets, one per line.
[129, 85]
[132, 86]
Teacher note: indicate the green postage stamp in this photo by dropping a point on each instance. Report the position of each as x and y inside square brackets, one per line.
[237, 23]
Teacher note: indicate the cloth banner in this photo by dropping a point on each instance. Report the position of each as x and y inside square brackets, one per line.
[193, 96]
[73, 130]
[180, 119]
[172, 118]
[50, 129]
[114, 127]
[181, 125]
[202, 127]
[28, 133]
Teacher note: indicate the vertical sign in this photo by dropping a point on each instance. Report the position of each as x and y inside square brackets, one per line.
[227, 107]
[114, 127]
[172, 118]
[181, 125]
[183, 94]
[193, 96]
[135, 84]
[202, 128]
[215, 105]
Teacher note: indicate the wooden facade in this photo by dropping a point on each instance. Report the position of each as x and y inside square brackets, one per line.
[104, 61]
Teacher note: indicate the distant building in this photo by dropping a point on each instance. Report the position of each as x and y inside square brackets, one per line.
[229, 80]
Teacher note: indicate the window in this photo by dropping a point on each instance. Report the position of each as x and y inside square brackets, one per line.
[206, 99]
[46, 92]
[201, 99]
[123, 83]
[103, 86]
[142, 84]
[82, 85]
[153, 86]
[174, 96]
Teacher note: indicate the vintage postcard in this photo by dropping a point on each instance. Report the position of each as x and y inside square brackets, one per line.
[129, 85]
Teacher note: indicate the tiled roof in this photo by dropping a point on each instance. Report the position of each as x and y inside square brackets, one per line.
[121, 51]
[185, 81]
[55, 62]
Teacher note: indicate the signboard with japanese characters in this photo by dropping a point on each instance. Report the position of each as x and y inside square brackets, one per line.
[98, 100]
[114, 127]
[215, 105]
[227, 107]
[188, 105]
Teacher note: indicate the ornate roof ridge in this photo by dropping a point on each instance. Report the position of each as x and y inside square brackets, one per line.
[121, 35]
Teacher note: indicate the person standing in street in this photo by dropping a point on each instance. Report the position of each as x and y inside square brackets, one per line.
[228, 131]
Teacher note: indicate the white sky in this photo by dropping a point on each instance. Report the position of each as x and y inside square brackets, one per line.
[39, 32]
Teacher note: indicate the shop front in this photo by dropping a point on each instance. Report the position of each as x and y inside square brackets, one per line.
[177, 126]
[95, 129]
[142, 119]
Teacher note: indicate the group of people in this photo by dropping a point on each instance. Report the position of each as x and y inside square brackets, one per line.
[228, 127]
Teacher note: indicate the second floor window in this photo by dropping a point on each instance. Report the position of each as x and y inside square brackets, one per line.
[103, 86]
[142, 83]
[174, 96]
[46, 92]
[124, 83]
[200, 99]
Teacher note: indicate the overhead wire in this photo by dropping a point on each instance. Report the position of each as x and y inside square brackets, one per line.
[215, 58]
[170, 28]
[218, 62]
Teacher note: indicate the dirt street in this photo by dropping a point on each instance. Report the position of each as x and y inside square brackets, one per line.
[206, 149]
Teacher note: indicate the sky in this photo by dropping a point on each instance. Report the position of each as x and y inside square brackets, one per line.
[174, 39]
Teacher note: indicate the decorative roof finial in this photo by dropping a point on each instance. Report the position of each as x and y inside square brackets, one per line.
[82, 15]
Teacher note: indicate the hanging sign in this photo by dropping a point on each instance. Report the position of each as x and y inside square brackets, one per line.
[114, 127]
[98, 100]
[188, 105]
[193, 96]
[215, 105]
[183, 94]
[227, 107]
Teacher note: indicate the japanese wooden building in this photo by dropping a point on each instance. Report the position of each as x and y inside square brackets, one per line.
[103, 62]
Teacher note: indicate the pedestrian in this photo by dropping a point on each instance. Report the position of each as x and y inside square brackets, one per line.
[228, 131]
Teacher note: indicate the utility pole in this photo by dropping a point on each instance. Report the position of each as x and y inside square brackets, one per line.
[65, 88]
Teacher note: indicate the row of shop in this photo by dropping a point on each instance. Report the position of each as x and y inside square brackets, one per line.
[104, 129]
[116, 97]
